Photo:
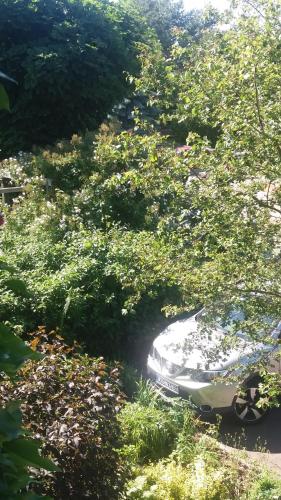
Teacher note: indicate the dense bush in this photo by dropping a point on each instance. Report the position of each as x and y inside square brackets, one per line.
[69, 59]
[70, 401]
[92, 259]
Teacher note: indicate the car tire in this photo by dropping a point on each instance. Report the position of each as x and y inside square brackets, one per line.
[244, 404]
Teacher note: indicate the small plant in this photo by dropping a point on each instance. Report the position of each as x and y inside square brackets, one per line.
[151, 427]
[146, 394]
[219, 477]
[4, 98]
[163, 480]
[148, 431]
[186, 442]
[266, 487]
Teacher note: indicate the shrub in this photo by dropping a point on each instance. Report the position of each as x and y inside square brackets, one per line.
[216, 479]
[90, 256]
[148, 432]
[151, 427]
[70, 402]
[163, 480]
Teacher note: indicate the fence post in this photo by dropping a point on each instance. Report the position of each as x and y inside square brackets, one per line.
[3, 194]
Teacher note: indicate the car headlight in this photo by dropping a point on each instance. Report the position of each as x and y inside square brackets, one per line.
[209, 375]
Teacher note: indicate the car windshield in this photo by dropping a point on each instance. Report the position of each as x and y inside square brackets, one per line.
[229, 322]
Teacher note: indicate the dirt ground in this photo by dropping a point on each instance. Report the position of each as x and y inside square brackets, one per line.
[261, 441]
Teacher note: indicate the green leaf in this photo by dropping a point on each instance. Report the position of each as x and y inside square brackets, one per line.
[4, 99]
[17, 286]
[6, 267]
[24, 452]
[13, 351]
[10, 422]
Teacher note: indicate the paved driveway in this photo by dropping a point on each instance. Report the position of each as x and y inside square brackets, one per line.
[262, 441]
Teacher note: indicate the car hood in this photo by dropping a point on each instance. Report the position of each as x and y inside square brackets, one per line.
[186, 344]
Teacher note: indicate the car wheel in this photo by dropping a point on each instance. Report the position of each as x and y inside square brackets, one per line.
[245, 406]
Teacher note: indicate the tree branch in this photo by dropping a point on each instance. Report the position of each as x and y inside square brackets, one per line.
[261, 122]
[263, 292]
[269, 136]
[265, 204]
[255, 8]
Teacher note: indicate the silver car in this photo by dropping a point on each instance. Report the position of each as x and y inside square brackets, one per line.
[187, 361]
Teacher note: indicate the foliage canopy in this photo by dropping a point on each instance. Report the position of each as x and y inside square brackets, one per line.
[131, 226]
[69, 59]
[168, 18]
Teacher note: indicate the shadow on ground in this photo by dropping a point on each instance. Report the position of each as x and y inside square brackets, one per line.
[264, 436]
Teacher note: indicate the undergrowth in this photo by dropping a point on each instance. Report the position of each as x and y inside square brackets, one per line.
[173, 455]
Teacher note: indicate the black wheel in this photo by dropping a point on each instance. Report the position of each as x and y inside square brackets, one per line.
[245, 406]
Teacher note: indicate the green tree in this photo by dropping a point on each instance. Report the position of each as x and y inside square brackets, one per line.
[235, 85]
[161, 16]
[229, 81]
[167, 18]
[69, 59]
